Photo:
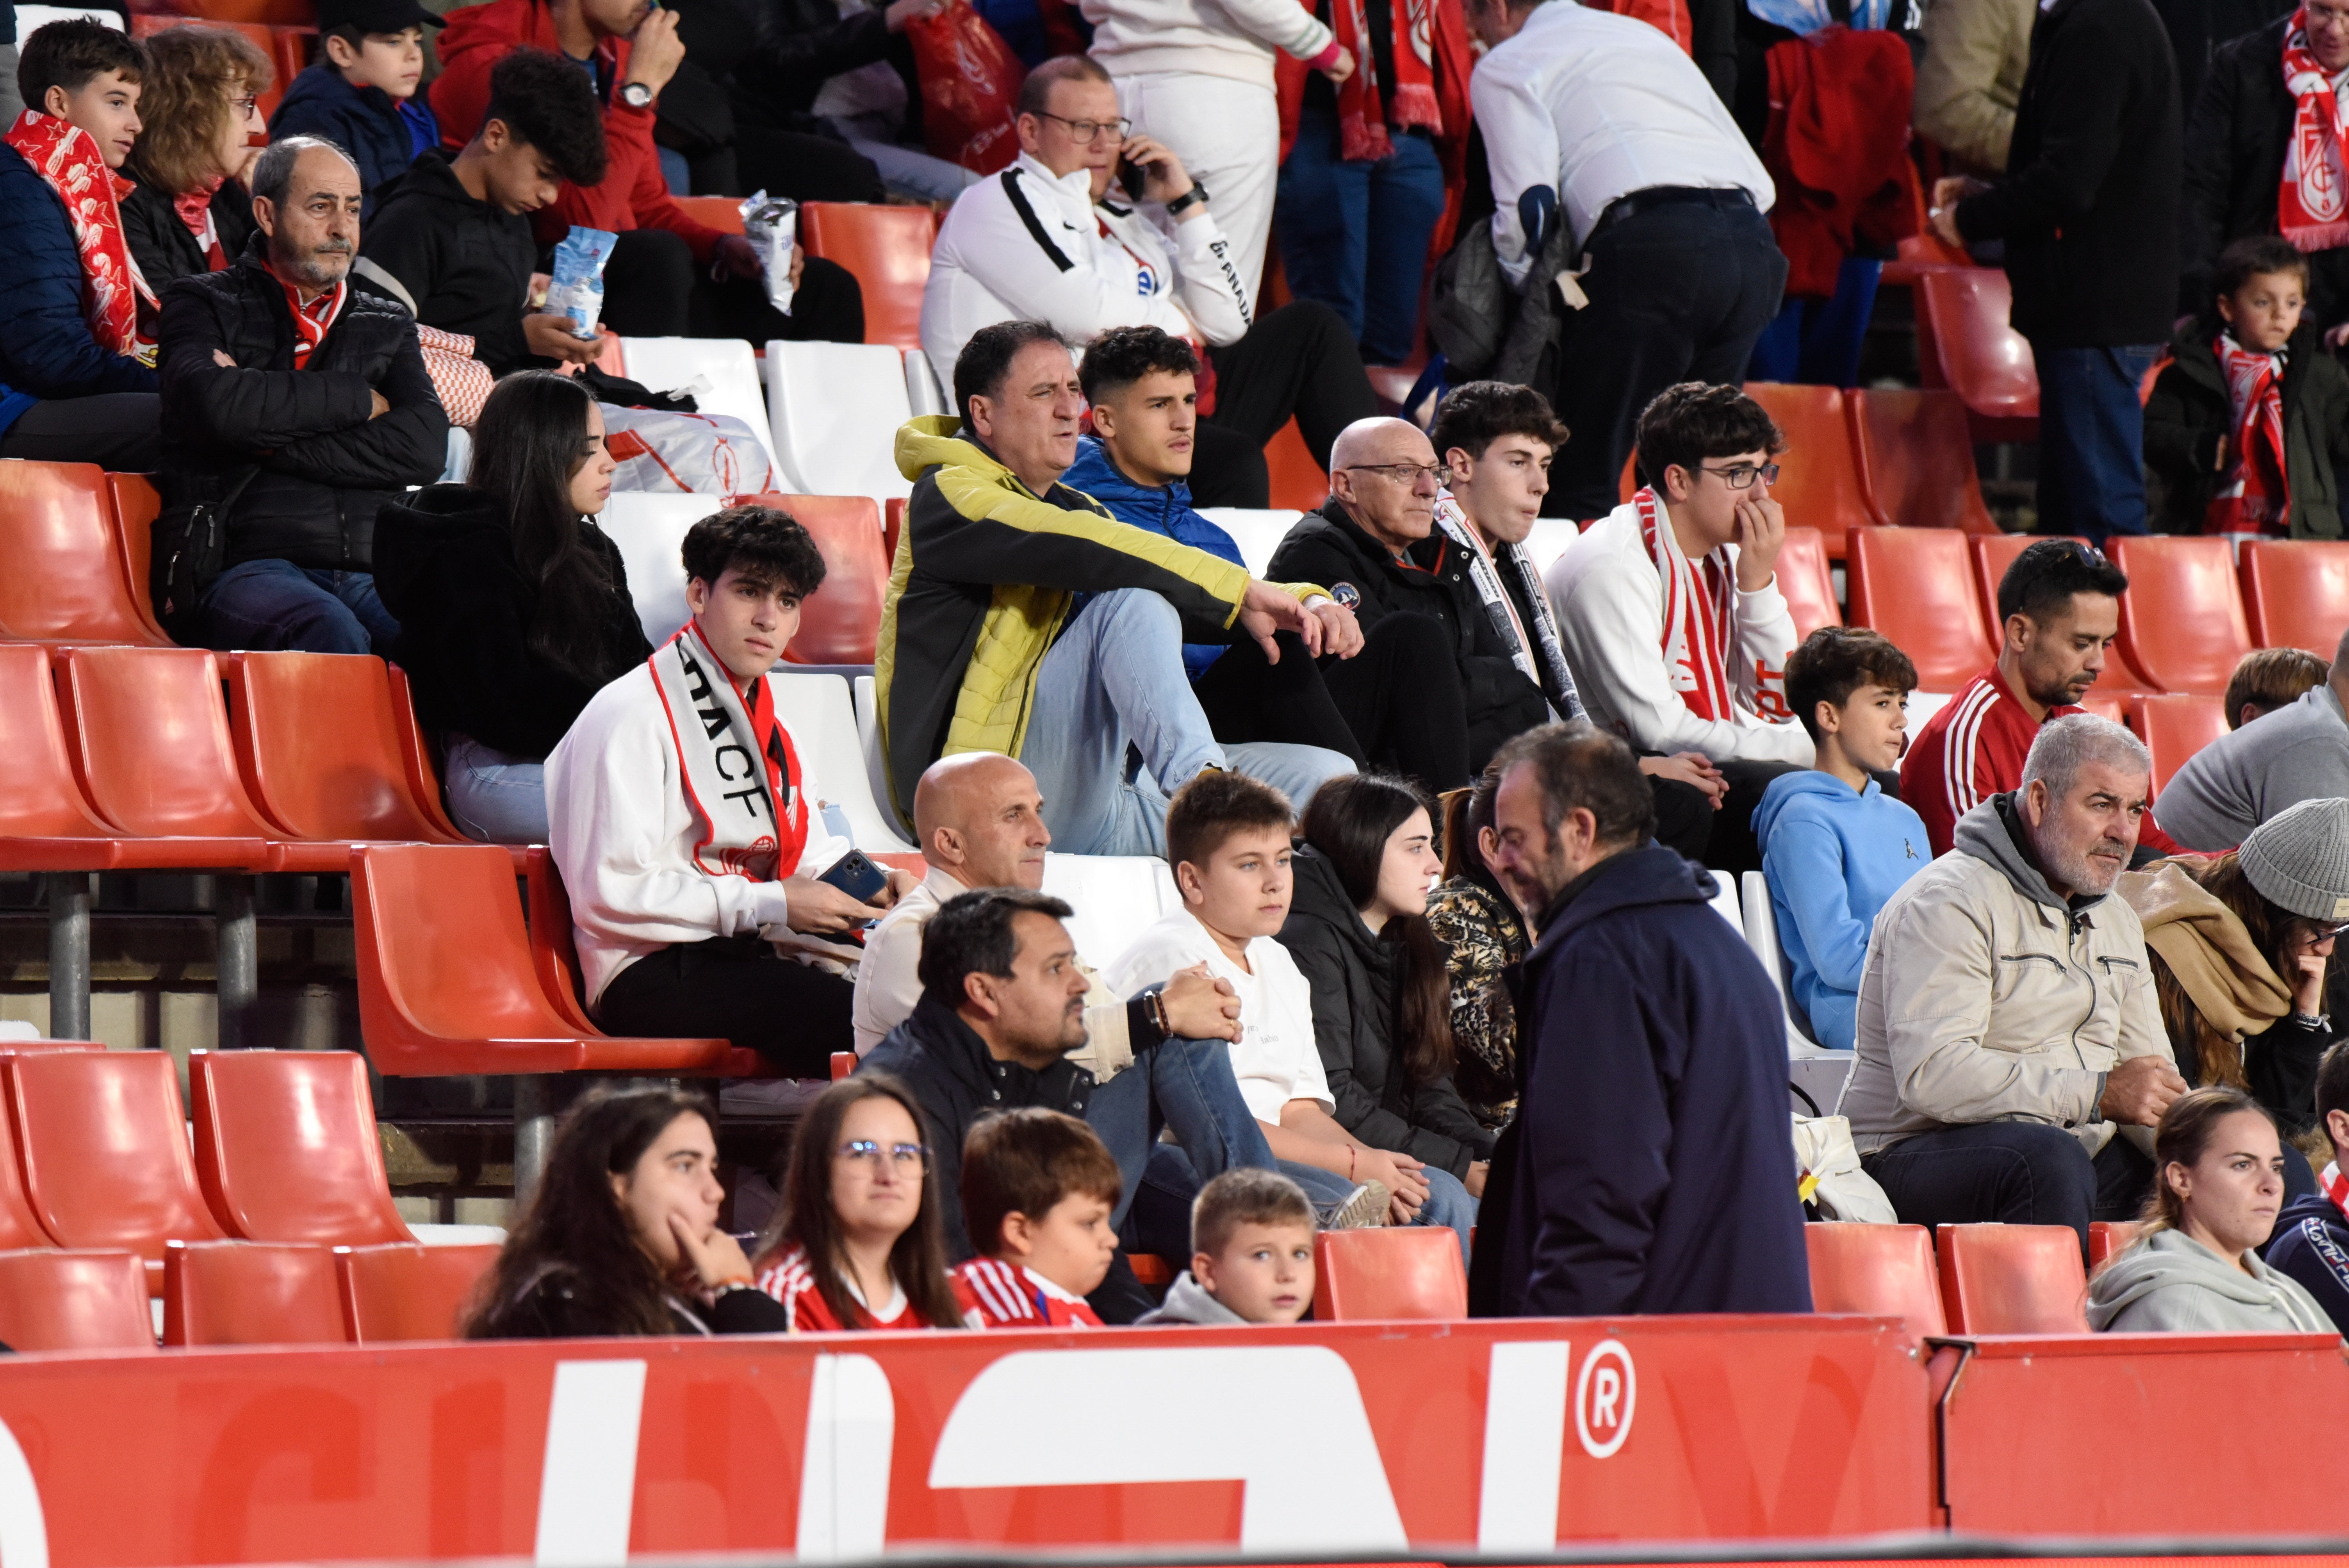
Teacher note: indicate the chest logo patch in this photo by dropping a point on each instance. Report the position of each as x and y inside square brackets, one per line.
[1349, 595]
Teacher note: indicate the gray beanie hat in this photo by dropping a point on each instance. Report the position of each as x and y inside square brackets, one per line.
[2300, 860]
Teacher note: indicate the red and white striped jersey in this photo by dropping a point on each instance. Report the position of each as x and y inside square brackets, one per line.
[790, 1280]
[1001, 1295]
[1970, 750]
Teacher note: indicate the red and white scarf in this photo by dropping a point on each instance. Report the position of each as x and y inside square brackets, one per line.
[2255, 494]
[1700, 617]
[1365, 109]
[2309, 208]
[195, 208]
[741, 773]
[313, 321]
[113, 292]
[2337, 1187]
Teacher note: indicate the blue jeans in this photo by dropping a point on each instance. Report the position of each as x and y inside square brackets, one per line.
[497, 799]
[1448, 1203]
[1186, 1085]
[1355, 235]
[271, 605]
[2091, 440]
[1115, 678]
[907, 170]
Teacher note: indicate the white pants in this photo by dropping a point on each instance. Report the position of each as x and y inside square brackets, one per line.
[1227, 134]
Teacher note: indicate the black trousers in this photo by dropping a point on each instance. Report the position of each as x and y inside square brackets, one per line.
[734, 988]
[1246, 698]
[654, 288]
[1679, 292]
[1403, 698]
[119, 431]
[1300, 362]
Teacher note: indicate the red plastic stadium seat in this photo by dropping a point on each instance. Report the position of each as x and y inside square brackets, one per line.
[893, 522]
[2182, 618]
[19, 1227]
[286, 1149]
[2174, 728]
[258, 34]
[407, 1291]
[1819, 478]
[2108, 1238]
[1992, 555]
[64, 581]
[250, 1292]
[887, 249]
[1913, 585]
[841, 621]
[1917, 459]
[1405, 1270]
[2296, 592]
[290, 46]
[317, 742]
[136, 504]
[299, 13]
[2012, 1279]
[2111, 706]
[416, 755]
[843, 1065]
[1298, 481]
[1965, 342]
[723, 214]
[75, 1301]
[1882, 1271]
[1806, 582]
[1151, 1270]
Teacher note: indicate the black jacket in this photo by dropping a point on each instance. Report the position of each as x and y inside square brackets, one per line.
[2310, 1243]
[548, 1310]
[163, 247]
[1352, 973]
[2089, 206]
[459, 264]
[1648, 1170]
[774, 56]
[2189, 411]
[325, 468]
[444, 566]
[1330, 548]
[948, 1067]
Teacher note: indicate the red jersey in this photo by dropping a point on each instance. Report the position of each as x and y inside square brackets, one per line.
[998, 1295]
[790, 1280]
[1970, 750]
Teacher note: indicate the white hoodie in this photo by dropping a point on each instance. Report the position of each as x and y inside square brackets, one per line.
[1235, 39]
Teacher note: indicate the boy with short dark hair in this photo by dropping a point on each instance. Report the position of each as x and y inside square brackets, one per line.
[360, 91]
[2312, 1235]
[1834, 846]
[1251, 1254]
[1038, 1189]
[2266, 679]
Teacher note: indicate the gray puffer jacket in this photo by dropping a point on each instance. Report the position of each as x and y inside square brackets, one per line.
[2171, 1284]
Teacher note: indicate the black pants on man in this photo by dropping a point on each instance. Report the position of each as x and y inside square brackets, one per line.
[1297, 361]
[654, 288]
[734, 988]
[1247, 698]
[1403, 698]
[118, 432]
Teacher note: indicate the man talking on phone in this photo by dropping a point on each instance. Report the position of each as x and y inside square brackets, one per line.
[701, 878]
[1093, 228]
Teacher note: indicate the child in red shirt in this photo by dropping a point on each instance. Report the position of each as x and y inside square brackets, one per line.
[1037, 1190]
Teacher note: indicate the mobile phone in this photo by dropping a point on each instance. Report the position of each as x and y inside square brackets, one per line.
[1130, 175]
[855, 874]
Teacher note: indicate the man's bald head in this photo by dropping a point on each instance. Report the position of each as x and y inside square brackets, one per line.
[1381, 472]
[979, 818]
[1381, 441]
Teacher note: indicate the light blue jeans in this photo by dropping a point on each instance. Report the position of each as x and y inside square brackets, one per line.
[1188, 1086]
[1448, 1203]
[1115, 678]
[908, 170]
[497, 799]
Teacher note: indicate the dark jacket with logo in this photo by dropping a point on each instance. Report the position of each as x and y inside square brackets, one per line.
[459, 264]
[2312, 1244]
[1330, 548]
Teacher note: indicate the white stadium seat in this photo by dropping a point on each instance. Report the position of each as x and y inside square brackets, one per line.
[837, 408]
[648, 528]
[1549, 541]
[725, 366]
[1762, 935]
[817, 711]
[1922, 707]
[1724, 901]
[876, 768]
[1258, 534]
[924, 392]
[1116, 898]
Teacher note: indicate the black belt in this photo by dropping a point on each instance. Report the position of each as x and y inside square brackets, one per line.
[1721, 198]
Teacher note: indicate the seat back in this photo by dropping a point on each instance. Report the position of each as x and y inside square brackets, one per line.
[150, 742]
[2182, 621]
[416, 761]
[39, 798]
[1257, 532]
[820, 712]
[1301, 482]
[888, 247]
[251, 1292]
[1807, 580]
[1917, 459]
[2108, 1239]
[135, 503]
[1882, 1271]
[1979, 356]
[65, 579]
[554, 943]
[1819, 478]
[1912, 585]
[867, 700]
[317, 740]
[409, 1292]
[286, 1148]
[841, 621]
[833, 406]
[2012, 1279]
[723, 214]
[728, 374]
[1115, 898]
[893, 523]
[924, 392]
[2174, 728]
[1759, 918]
[2296, 592]
[1408, 1271]
[649, 530]
[104, 1142]
[74, 1301]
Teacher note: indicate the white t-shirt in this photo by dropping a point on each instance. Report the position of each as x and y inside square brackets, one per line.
[1275, 1058]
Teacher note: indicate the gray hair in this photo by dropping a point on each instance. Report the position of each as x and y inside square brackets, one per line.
[2066, 745]
[272, 174]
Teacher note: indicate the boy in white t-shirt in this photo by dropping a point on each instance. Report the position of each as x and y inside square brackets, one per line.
[1229, 838]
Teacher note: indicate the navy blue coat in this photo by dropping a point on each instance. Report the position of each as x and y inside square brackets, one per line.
[1652, 1168]
[46, 346]
[366, 122]
[2312, 1244]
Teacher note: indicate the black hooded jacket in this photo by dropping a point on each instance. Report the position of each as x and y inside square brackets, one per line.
[461, 265]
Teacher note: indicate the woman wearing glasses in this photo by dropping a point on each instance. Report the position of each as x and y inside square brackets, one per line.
[200, 128]
[857, 1243]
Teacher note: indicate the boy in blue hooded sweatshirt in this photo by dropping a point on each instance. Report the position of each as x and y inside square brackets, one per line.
[360, 92]
[1834, 846]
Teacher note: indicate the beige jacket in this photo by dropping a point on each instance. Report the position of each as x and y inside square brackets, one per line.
[1986, 999]
[1971, 76]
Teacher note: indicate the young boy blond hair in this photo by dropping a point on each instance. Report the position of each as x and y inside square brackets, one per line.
[1251, 1253]
[1038, 1187]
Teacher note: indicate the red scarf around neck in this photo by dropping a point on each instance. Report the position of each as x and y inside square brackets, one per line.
[2255, 493]
[1365, 106]
[195, 210]
[1700, 617]
[112, 292]
[2309, 208]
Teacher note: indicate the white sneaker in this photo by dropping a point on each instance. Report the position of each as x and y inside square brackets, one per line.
[1365, 1206]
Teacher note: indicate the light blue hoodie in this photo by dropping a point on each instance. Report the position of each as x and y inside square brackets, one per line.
[1833, 856]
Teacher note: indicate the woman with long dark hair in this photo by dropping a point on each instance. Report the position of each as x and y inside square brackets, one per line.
[513, 607]
[1358, 929]
[857, 1243]
[1482, 932]
[622, 1235]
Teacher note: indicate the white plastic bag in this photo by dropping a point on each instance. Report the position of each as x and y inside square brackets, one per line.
[577, 289]
[1831, 1176]
[773, 224]
[703, 454]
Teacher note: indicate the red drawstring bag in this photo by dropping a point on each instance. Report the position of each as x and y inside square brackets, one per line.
[970, 88]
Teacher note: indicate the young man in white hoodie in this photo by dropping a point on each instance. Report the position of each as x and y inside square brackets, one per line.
[675, 813]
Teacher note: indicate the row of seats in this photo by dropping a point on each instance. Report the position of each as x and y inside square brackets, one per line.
[1960, 1279]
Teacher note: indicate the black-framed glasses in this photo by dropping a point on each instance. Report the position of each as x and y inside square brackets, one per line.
[1085, 132]
[1407, 475]
[1741, 476]
[868, 1152]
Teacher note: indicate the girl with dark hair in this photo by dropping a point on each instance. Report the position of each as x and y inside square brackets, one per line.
[1482, 932]
[513, 607]
[1382, 1001]
[857, 1243]
[2194, 1267]
[622, 1234]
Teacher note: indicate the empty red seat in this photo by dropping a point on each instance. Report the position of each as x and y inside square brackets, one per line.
[290, 49]
[1404, 1271]
[410, 1292]
[317, 742]
[843, 1065]
[64, 581]
[75, 1301]
[2012, 1279]
[1993, 553]
[1913, 585]
[2174, 728]
[1966, 343]
[888, 247]
[1881, 1271]
[2182, 621]
[1806, 582]
[2109, 1238]
[1818, 479]
[1298, 481]
[136, 504]
[841, 621]
[251, 1292]
[286, 1148]
[1917, 459]
[2296, 592]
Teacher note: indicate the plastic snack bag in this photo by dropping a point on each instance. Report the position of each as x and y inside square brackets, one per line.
[772, 223]
[577, 291]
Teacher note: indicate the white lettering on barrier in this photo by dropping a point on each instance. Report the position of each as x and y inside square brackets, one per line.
[23, 1528]
[1312, 1480]
[1604, 1399]
[1524, 1443]
[587, 1490]
[845, 1474]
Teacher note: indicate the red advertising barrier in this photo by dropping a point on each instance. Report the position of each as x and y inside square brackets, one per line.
[1376, 1437]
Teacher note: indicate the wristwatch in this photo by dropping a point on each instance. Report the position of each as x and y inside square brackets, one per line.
[1197, 193]
[635, 95]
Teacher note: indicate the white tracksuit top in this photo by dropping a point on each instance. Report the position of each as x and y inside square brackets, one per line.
[1234, 38]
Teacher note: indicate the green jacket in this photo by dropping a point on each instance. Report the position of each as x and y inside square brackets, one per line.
[2189, 413]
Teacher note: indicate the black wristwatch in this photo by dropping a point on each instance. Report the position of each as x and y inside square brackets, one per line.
[1197, 193]
[635, 95]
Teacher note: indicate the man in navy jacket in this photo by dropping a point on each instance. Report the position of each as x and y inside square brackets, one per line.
[1649, 1168]
[2312, 1235]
